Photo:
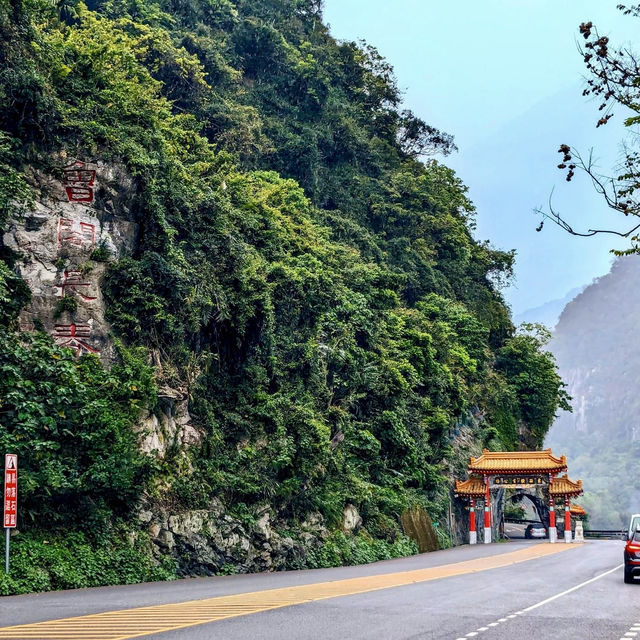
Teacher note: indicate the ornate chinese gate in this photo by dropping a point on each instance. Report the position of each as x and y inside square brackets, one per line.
[517, 470]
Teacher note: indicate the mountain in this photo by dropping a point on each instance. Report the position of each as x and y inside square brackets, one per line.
[244, 322]
[547, 313]
[598, 355]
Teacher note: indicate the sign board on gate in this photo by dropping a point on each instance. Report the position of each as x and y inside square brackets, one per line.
[10, 503]
[518, 482]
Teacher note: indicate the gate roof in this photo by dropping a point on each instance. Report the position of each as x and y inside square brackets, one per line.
[506, 462]
[473, 487]
[563, 487]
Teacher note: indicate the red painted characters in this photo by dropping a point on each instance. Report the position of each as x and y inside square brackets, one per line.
[79, 181]
[74, 336]
[76, 234]
[72, 282]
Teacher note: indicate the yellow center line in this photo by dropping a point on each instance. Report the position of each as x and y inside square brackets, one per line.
[133, 623]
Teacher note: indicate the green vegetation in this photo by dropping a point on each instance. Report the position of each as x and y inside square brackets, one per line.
[302, 270]
[41, 562]
[342, 549]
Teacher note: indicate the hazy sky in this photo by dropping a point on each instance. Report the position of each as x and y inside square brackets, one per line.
[505, 78]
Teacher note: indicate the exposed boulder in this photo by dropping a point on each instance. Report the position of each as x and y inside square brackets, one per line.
[351, 519]
[169, 426]
[207, 541]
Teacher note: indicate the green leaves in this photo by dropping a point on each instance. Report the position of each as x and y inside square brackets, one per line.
[71, 423]
[535, 388]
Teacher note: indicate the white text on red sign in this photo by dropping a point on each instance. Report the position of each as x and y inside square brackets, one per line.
[10, 502]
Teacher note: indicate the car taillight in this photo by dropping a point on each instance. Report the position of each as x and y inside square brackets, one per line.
[633, 547]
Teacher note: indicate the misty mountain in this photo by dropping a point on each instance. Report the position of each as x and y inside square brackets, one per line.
[597, 348]
[549, 312]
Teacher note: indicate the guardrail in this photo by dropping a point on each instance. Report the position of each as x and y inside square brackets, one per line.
[605, 534]
[520, 521]
[596, 534]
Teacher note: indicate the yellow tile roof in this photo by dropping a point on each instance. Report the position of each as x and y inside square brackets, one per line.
[472, 488]
[577, 510]
[564, 487]
[495, 462]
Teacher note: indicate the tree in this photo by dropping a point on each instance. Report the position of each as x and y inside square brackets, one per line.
[614, 80]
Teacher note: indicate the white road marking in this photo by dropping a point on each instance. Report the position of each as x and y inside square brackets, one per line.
[630, 634]
[578, 586]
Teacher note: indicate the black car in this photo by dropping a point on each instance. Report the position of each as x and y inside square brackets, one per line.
[535, 530]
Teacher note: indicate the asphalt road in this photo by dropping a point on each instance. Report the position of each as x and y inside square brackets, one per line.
[492, 604]
[513, 530]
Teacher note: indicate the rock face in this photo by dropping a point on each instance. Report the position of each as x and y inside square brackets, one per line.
[80, 219]
[169, 427]
[210, 541]
[598, 353]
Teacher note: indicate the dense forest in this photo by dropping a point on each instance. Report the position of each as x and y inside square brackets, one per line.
[301, 282]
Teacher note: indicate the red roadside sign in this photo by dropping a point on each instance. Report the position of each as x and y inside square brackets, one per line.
[10, 502]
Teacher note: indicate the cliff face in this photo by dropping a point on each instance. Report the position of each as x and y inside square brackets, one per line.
[79, 222]
[598, 354]
[245, 322]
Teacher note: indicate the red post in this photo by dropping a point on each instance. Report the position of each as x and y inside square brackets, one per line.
[553, 531]
[473, 535]
[567, 521]
[487, 512]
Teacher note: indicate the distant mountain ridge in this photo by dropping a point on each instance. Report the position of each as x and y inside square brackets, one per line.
[597, 348]
[549, 312]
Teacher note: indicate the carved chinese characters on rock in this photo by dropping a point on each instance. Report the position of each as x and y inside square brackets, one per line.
[79, 182]
[74, 283]
[72, 233]
[74, 336]
[76, 238]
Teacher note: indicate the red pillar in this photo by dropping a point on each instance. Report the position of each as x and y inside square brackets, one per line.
[567, 521]
[553, 532]
[473, 535]
[487, 512]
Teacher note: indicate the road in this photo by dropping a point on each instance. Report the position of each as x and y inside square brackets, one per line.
[528, 590]
[514, 530]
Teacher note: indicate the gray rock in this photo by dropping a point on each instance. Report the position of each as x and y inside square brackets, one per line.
[55, 239]
[165, 539]
[145, 516]
[351, 520]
